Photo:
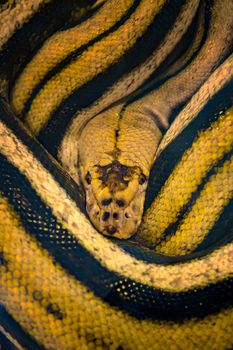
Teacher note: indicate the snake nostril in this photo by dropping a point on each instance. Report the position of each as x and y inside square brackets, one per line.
[115, 216]
[105, 216]
[127, 215]
[111, 230]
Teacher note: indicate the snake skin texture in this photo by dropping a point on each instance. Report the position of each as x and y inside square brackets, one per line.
[116, 175]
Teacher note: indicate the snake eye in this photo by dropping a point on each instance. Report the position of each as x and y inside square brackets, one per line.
[142, 179]
[88, 178]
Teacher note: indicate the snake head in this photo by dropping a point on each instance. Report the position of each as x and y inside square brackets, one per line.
[115, 197]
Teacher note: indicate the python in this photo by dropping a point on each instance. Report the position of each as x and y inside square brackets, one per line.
[118, 113]
[68, 70]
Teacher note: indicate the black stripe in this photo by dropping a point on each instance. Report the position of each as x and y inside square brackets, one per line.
[72, 56]
[146, 254]
[17, 332]
[91, 13]
[66, 251]
[65, 181]
[23, 45]
[145, 302]
[172, 228]
[173, 153]
[83, 97]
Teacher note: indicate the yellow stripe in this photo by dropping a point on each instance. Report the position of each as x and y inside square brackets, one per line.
[88, 322]
[209, 147]
[214, 267]
[61, 44]
[205, 212]
[91, 63]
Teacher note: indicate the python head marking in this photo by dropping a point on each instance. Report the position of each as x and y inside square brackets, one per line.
[115, 196]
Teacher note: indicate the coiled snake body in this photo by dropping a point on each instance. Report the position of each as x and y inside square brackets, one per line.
[127, 104]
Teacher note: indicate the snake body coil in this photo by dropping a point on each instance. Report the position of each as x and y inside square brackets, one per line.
[116, 118]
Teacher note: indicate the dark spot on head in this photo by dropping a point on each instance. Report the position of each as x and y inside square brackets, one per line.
[97, 212]
[115, 215]
[88, 178]
[127, 215]
[120, 203]
[111, 230]
[54, 310]
[113, 175]
[142, 179]
[106, 201]
[105, 216]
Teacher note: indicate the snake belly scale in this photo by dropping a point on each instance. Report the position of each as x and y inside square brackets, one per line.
[116, 120]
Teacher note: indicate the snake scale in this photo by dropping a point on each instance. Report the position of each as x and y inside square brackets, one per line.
[116, 134]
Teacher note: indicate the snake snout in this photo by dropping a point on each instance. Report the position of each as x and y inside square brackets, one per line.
[115, 197]
[118, 221]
